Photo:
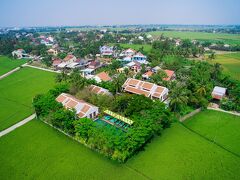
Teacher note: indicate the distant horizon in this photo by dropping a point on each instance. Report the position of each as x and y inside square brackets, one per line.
[55, 13]
[95, 25]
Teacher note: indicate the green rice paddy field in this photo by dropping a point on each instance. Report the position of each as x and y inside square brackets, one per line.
[230, 63]
[37, 151]
[17, 91]
[232, 39]
[7, 64]
[219, 127]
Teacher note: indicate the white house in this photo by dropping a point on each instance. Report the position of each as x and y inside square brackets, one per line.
[219, 92]
[147, 89]
[82, 108]
[106, 50]
[20, 54]
[127, 52]
[140, 58]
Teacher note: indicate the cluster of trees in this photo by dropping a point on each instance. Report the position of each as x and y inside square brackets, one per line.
[165, 47]
[149, 117]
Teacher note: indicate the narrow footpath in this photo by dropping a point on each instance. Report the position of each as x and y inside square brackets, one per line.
[19, 124]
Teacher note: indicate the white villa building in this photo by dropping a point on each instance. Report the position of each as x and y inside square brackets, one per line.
[82, 108]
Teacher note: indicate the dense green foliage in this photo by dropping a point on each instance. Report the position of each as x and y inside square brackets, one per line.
[149, 119]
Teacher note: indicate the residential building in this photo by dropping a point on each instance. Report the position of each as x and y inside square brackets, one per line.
[53, 52]
[140, 58]
[147, 75]
[219, 92]
[170, 75]
[106, 50]
[135, 66]
[102, 77]
[147, 89]
[127, 52]
[82, 108]
[69, 59]
[94, 65]
[99, 90]
[56, 62]
[20, 54]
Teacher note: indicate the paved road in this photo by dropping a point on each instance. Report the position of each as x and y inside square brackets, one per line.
[19, 124]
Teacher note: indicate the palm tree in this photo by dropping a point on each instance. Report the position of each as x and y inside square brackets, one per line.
[178, 97]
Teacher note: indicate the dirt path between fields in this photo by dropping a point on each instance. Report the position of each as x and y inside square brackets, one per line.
[19, 124]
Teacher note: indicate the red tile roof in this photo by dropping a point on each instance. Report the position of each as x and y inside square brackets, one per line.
[104, 76]
[169, 75]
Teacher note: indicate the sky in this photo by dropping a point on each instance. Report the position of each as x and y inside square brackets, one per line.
[22, 13]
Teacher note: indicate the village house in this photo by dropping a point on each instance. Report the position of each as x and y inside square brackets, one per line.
[127, 52]
[56, 62]
[122, 69]
[170, 75]
[147, 75]
[20, 54]
[106, 50]
[94, 65]
[134, 66]
[82, 108]
[70, 58]
[219, 92]
[99, 90]
[53, 52]
[140, 58]
[147, 89]
[102, 77]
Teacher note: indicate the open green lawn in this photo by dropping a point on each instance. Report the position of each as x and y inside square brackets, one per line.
[37, 151]
[7, 64]
[230, 63]
[17, 91]
[232, 39]
[220, 127]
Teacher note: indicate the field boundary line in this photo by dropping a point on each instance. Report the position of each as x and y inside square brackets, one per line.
[136, 171]
[221, 110]
[210, 140]
[19, 124]
[9, 73]
[43, 69]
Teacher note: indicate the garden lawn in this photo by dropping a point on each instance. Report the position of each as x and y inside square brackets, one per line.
[232, 39]
[230, 63]
[7, 64]
[17, 92]
[220, 127]
[37, 151]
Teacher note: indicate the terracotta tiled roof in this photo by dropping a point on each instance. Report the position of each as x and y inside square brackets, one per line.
[104, 76]
[98, 90]
[137, 91]
[148, 73]
[169, 75]
[145, 88]
[71, 102]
